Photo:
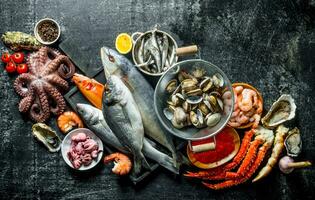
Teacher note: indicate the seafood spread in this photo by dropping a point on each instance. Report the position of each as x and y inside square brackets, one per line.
[196, 99]
[47, 136]
[143, 94]
[18, 41]
[94, 119]
[90, 88]
[281, 111]
[248, 107]
[122, 114]
[155, 52]
[68, 121]
[293, 142]
[41, 87]
[82, 151]
[122, 164]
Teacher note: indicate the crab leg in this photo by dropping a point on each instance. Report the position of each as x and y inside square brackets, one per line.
[217, 173]
[229, 183]
[247, 162]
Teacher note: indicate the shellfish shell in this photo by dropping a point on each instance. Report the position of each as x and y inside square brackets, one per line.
[281, 111]
[293, 143]
[47, 136]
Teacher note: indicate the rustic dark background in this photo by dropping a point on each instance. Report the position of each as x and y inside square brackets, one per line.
[267, 43]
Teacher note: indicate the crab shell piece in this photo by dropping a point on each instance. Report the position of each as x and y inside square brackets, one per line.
[293, 143]
[47, 136]
[281, 111]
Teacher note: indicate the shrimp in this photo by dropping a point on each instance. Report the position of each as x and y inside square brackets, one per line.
[122, 164]
[250, 113]
[242, 119]
[246, 103]
[260, 107]
[236, 112]
[238, 89]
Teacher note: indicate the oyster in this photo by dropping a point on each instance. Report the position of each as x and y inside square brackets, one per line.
[281, 111]
[293, 143]
[47, 136]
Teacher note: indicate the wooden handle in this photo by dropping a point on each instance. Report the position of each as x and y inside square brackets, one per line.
[189, 50]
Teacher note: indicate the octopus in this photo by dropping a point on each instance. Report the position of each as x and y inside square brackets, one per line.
[41, 87]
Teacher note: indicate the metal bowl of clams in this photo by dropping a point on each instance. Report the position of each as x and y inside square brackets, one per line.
[194, 99]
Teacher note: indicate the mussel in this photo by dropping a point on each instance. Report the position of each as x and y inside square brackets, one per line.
[47, 136]
[281, 111]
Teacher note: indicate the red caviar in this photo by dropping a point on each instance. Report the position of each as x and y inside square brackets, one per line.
[224, 146]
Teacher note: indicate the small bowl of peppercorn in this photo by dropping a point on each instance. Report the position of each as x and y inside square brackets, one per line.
[47, 31]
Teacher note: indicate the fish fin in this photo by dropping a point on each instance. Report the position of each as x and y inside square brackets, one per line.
[139, 161]
[168, 163]
[145, 162]
[180, 159]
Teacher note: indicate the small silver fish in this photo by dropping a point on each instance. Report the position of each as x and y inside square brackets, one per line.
[164, 50]
[143, 93]
[153, 47]
[123, 117]
[95, 121]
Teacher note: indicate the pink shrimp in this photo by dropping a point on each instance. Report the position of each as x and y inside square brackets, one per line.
[234, 124]
[238, 89]
[260, 107]
[242, 119]
[250, 113]
[247, 95]
[236, 112]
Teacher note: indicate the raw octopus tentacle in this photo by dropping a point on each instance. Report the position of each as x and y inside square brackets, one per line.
[55, 95]
[219, 171]
[54, 79]
[21, 83]
[64, 66]
[229, 183]
[40, 109]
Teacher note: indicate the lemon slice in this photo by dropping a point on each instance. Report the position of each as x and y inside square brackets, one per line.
[123, 43]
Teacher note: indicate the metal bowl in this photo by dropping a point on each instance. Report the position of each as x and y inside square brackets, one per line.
[137, 43]
[161, 97]
[65, 146]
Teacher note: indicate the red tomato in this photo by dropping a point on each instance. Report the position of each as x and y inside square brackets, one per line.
[11, 67]
[22, 68]
[5, 57]
[18, 57]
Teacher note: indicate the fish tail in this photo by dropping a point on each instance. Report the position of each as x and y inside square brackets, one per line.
[168, 163]
[139, 161]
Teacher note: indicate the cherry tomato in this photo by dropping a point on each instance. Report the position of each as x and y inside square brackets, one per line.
[18, 57]
[5, 57]
[22, 68]
[11, 67]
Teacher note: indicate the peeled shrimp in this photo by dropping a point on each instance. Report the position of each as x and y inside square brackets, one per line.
[247, 96]
[122, 164]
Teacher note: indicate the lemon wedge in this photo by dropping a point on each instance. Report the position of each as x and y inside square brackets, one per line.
[123, 43]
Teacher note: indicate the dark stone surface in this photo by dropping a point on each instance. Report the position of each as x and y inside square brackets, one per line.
[269, 44]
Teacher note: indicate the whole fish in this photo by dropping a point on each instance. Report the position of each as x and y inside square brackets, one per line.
[122, 115]
[143, 93]
[95, 121]
[153, 47]
[90, 88]
[164, 50]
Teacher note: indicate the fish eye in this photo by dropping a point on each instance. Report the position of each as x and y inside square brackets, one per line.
[111, 58]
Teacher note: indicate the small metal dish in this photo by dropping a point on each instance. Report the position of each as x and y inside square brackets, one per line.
[37, 36]
[65, 146]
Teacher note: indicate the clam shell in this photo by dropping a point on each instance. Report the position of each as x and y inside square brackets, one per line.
[47, 136]
[171, 86]
[293, 143]
[281, 111]
[213, 119]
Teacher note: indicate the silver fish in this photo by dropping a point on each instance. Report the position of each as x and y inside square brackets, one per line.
[164, 50]
[143, 93]
[122, 115]
[95, 121]
[153, 47]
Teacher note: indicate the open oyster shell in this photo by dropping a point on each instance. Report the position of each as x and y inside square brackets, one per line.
[47, 136]
[281, 111]
[293, 143]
